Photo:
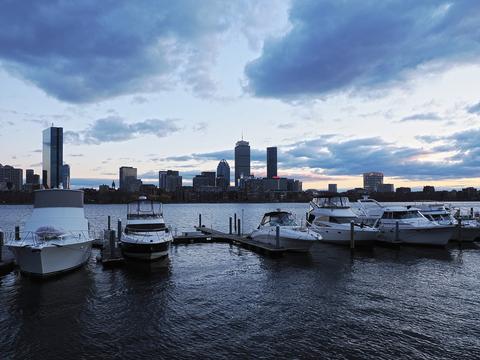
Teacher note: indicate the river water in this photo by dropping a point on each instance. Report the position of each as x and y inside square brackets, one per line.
[220, 301]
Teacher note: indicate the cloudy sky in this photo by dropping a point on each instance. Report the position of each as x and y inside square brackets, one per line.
[341, 87]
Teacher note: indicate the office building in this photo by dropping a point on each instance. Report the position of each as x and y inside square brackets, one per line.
[428, 189]
[29, 176]
[66, 176]
[11, 178]
[386, 188]
[332, 188]
[223, 171]
[403, 190]
[128, 179]
[372, 180]
[242, 160]
[52, 157]
[169, 180]
[271, 162]
[203, 181]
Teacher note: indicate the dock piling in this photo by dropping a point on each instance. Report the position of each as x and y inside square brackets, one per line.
[352, 235]
[1, 244]
[230, 225]
[17, 232]
[471, 213]
[459, 225]
[109, 223]
[111, 238]
[119, 229]
[238, 228]
[397, 232]
[235, 222]
[199, 220]
[277, 237]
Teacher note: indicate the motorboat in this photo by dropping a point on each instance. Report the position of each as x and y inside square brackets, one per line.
[56, 237]
[401, 224]
[145, 237]
[368, 210]
[332, 216]
[469, 230]
[291, 236]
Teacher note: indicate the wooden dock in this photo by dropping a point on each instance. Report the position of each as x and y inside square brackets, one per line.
[244, 242]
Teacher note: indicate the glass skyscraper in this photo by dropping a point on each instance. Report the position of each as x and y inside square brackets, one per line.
[52, 155]
[271, 162]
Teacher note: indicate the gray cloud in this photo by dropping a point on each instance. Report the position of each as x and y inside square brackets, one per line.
[87, 51]
[474, 109]
[357, 45]
[431, 116]
[115, 129]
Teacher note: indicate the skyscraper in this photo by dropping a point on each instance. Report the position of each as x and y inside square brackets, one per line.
[11, 178]
[242, 160]
[223, 174]
[52, 156]
[29, 176]
[127, 178]
[169, 180]
[372, 180]
[271, 162]
[66, 176]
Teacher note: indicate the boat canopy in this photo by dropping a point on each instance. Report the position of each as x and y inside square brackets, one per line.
[142, 208]
[332, 201]
[280, 218]
[53, 198]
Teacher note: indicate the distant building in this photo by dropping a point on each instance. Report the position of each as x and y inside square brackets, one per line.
[52, 157]
[66, 176]
[469, 191]
[429, 189]
[32, 180]
[242, 160]
[148, 189]
[332, 188]
[403, 190]
[205, 179]
[271, 162]
[223, 171]
[372, 180]
[11, 178]
[252, 184]
[169, 180]
[29, 176]
[386, 188]
[128, 179]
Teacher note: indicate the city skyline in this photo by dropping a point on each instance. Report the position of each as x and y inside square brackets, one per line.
[415, 119]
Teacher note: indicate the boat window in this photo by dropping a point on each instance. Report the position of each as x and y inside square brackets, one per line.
[144, 227]
[282, 219]
[387, 215]
[412, 214]
[265, 220]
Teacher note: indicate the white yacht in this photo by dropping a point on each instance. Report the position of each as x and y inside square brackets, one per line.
[331, 217]
[368, 210]
[470, 229]
[145, 236]
[291, 236]
[413, 227]
[56, 237]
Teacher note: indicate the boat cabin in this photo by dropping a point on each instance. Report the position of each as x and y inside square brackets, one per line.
[280, 218]
[401, 214]
[142, 217]
[338, 202]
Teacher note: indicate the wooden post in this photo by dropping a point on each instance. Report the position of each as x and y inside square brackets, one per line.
[238, 228]
[119, 229]
[17, 232]
[397, 232]
[459, 224]
[112, 242]
[471, 213]
[230, 225]
[199, 220]
[352, 235]
[277, 237]
[1, 244]
[235, 222]
[108, 223]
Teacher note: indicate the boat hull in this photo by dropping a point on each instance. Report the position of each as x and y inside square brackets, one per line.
[297, 241]
[433, 236]
[51, 260]
[342, 236]
[145, 252]
[467, 234]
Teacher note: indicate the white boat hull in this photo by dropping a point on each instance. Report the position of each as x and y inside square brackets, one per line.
[289, 239]
[50, 260]
[435, 236]
[342, 236]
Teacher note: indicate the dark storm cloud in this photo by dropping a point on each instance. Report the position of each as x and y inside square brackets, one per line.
[356, 45]
[115, 129]
[81, 51]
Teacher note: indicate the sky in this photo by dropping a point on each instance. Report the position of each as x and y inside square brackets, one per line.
[340, 87]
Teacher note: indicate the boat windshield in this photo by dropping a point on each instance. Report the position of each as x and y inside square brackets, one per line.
[142, 209]
[281, 219]
[144, 227]
[407, 214]
[336, 201]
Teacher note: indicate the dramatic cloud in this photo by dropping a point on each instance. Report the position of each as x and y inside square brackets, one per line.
[422, 116]
[114, 129]
[355, 45]
[81, 51]
[474, 109]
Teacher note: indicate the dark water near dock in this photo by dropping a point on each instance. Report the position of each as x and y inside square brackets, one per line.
[220, 301]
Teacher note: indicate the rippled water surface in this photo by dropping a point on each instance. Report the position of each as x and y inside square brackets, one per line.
[220, 301]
